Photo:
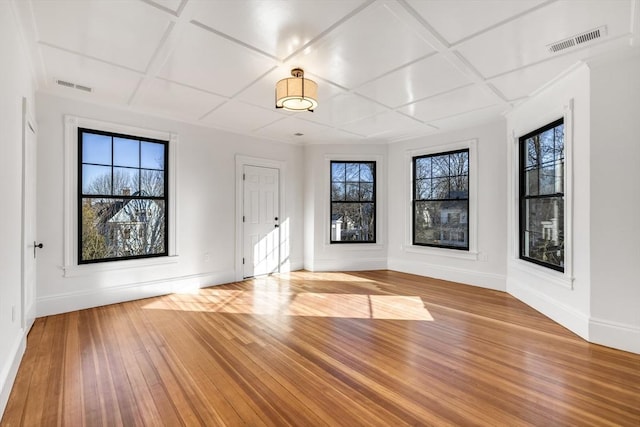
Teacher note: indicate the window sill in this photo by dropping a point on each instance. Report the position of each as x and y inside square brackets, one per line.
[548, 275]
[355, 246]
[442, 252]
[88, 269]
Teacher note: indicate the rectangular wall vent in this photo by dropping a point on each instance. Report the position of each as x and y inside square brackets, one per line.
[74, 86]
[581, 38]
[63, 83]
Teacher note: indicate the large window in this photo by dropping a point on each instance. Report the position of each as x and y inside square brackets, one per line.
[353, 202]
[441, 200]
[122, 196]
[542, 196]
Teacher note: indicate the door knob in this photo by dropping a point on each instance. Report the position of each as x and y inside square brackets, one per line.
[36, 246]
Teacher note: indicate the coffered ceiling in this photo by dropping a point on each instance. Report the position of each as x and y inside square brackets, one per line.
[386, 70]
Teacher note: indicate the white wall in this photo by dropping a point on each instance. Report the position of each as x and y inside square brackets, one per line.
[564, 298]
[615, 201]
[206, 217]
[319, 254]
[14, 85]
[486, 267]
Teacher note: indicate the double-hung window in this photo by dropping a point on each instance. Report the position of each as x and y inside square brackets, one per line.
[441, 200]
[353, 202]
[122, 196]
[541, 170]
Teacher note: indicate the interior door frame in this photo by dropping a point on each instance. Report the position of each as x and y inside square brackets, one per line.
[241, 162]
[27, 308]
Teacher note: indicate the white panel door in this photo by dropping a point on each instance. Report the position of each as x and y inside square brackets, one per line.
[261, 233]
[29, 249]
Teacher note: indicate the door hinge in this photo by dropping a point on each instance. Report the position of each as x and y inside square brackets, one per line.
[244, 177]
[242, 218]
[242, 261]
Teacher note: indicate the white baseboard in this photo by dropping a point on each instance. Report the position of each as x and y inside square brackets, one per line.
[71, 301]
[613, 334]
[572, 319]
[469, 277]
[10, 370]
[348, 264]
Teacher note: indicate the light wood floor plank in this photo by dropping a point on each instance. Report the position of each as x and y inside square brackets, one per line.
[373, 348]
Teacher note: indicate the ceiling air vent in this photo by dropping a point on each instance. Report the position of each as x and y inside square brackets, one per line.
[578, 39]
[74, 86]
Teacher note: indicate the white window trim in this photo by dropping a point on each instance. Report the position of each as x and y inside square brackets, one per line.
[70, 265]
[380, 195]
[549, 275]
[472, 252]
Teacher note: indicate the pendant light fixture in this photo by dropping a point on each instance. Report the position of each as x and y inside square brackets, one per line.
[297, 93]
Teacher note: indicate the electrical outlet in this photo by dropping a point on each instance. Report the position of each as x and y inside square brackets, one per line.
[206, 257]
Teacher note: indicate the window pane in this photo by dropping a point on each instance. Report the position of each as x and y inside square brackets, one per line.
[440, 166]
[126, 152]
[152, 155]
[366, 192]
[544, 230]
[352, 222]
[532, 178]
[125, 181]
[423, 167]
[337, 172]
[353, 192]
[440, 188]
[548, 180]
[114, 228]
[353, 172]
[441, 223]
[152, 183]
[459, 186]
[96, 148]
[423, 189]
[366, 172]
[96, 179]
[460, 163]
[337, 191]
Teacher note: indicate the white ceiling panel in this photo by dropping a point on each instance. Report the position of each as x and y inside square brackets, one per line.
[109, 84]
[416, 81]
[344, 108]
[457, 19]
[390, 124]
[287, 129]
[386, 70]
[124, 33]
[235, 115]
[174, 99]
[366, 46]
[207, 61]
[277, 28]
[524, 41]
[458, 101]
[521, 83]
[472, 118]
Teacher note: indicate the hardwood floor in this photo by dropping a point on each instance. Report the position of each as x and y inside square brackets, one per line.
[376, 348]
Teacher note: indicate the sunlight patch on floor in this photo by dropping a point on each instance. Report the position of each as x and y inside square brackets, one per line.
[354, 306]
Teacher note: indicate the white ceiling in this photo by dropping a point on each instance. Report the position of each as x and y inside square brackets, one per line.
[386, 70]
